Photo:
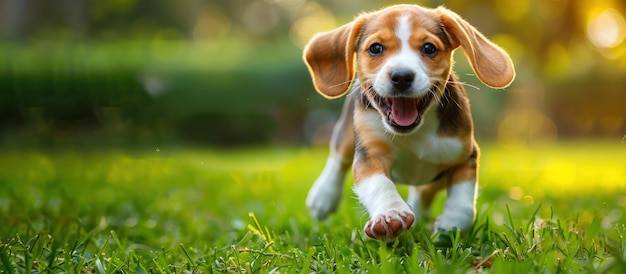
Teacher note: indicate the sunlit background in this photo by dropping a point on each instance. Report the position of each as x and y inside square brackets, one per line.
[170, 122]
[161, 73]
[230, 73]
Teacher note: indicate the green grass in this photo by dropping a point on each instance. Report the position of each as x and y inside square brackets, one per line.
[173, 210]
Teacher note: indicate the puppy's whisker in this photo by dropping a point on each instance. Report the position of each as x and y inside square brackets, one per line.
[340, 84]
[464, 84]
[435, 90]
[441, 89]
[450, 98]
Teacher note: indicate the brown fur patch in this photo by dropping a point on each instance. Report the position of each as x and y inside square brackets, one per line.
[454, 111]
[373, 153]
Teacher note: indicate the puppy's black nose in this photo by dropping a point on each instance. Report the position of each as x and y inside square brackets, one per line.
[402, 79]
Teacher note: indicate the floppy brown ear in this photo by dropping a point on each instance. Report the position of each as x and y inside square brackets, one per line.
[329, 57]
[492, 64]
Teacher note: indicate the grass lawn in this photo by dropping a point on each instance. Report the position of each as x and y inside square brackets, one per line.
[172, 210]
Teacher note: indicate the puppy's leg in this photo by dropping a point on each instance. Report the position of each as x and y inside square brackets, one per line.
[325, 194]
[389, 214]
[460, 207]
[421, 197]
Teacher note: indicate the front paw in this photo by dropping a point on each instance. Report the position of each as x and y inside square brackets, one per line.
[323, 199]
[389, 225]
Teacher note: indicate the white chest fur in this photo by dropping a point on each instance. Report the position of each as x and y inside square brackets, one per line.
[417, 157]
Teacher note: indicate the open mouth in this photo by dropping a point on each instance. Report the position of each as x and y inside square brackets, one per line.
[403, 113]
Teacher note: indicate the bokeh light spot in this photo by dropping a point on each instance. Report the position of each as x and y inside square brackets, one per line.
[316, 19]
[211, 24]
[289, 5]
[512, 10]
[558, 61]
[526, 126]
[516, 193]
[260, 17]
[606, 29]
[528, 200]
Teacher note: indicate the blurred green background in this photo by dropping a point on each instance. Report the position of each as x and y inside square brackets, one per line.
[229, 72]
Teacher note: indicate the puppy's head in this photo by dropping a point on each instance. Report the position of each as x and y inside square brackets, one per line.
[402, 56]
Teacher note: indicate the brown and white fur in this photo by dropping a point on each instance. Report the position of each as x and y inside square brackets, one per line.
[407, 119]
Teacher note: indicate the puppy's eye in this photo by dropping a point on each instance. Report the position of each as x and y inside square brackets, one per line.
[376, 49]
[429, 49]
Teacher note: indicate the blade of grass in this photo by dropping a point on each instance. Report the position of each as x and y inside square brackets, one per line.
[306, 266]
[100, 266]
[189, 259]
[156, 262]
[54, 249]
[511, 224]
[532, 219]
[386, 260]
[6, 261]
[117, 241]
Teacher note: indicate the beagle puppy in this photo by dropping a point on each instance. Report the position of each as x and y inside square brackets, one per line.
[407, 118]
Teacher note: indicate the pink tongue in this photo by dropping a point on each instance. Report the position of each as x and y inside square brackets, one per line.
[404, 111]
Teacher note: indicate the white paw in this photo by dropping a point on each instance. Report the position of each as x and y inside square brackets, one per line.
[460, 208]
[323, 199]
[389, 214]
[325, 194]
[389, 224]
[458, 219]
